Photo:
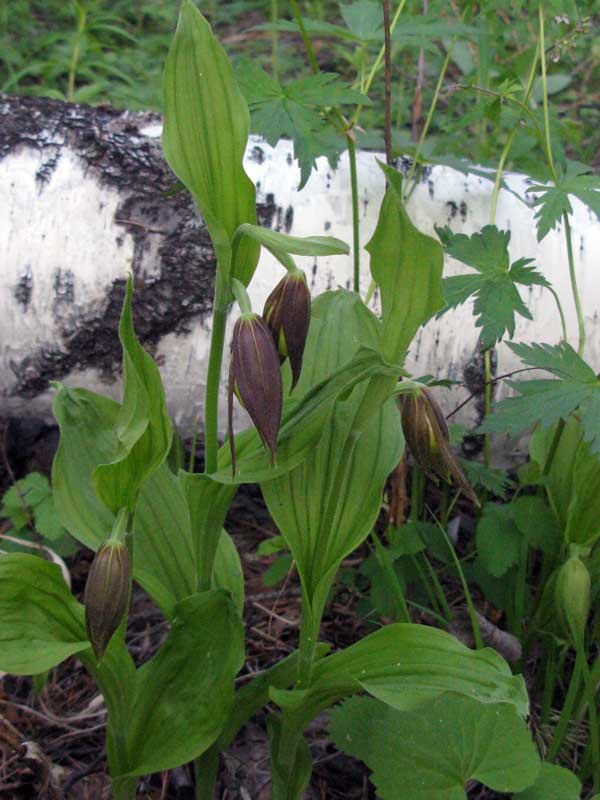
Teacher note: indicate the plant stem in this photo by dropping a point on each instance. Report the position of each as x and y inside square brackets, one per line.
[411, 173]
[387, 48]
[550, 158]
[488, 404]
[461, 575]
[567, 709]
[241, 295]
[355, 211]
[590, 691]
[81, 20]
[305, 37]
[275, 40]
[206, 768]
[387, 566]
[211, 404]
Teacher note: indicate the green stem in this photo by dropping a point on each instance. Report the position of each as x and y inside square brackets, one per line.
[553, 447]
[574, 287]
[511, 138]
[241, 295]
[567, 709]
[215, 359]
[275, 40]
[549, 684]
[305, 37]
[461, 575]
[81, 20]
[355, 211]
[488, 405]
[550, 158]
[385, 562]
[590, 692]
[206, 769]
[438, 87]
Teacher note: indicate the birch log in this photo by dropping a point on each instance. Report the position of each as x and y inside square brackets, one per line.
[85, 200]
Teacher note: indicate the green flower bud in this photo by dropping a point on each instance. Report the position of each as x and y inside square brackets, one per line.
[287, 313]
[106, 594]
[428, 439]
[572, 594]
[255, 377]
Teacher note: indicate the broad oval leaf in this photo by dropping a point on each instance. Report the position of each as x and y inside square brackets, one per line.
[405, 665]
[432, 753]
[552, 783]
[227, 570]
[184, 694]
[42, 623]
[164, 562]
[205, 132]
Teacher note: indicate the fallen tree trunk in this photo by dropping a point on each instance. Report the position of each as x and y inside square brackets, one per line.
[87, 199]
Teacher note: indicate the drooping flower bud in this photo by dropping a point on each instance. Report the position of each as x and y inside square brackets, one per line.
[287, 313]
[255, 377]
[428, 439]
[106, 594]
[572, 592]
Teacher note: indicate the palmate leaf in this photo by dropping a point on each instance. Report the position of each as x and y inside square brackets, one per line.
[294, 112]
[432, 753]
[494, 286]
[553, 201]
[576, 388]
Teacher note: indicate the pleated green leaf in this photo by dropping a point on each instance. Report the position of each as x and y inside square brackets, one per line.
[328, 504]
[405, 665]
[184, 694]
[281, 245]
[408, 266]
[206, 126]
[41, 622]
[143, 430]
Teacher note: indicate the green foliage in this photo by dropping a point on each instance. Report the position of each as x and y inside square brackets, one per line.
[42, 623]
[321, 533]
[206, 151]
[30, 500]
[553, 201]
[407, 266]
[143, 430]
[494, 286]
[547, 401]
[552, 783]
[431, 753]
[405, 665]
[295, 111]
[187, 687]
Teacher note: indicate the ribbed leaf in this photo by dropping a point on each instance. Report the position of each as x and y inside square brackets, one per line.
[408, 266]
[41, 623]
[327, 505]
[184, 694]
[143, 430]
[205, 132]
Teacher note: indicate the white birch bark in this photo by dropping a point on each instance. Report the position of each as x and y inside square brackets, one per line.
[83, 204]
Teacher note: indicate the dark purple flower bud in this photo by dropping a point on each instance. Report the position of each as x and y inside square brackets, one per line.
[428, 439]
[255, 377]
[106, 594]
[287, 313]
